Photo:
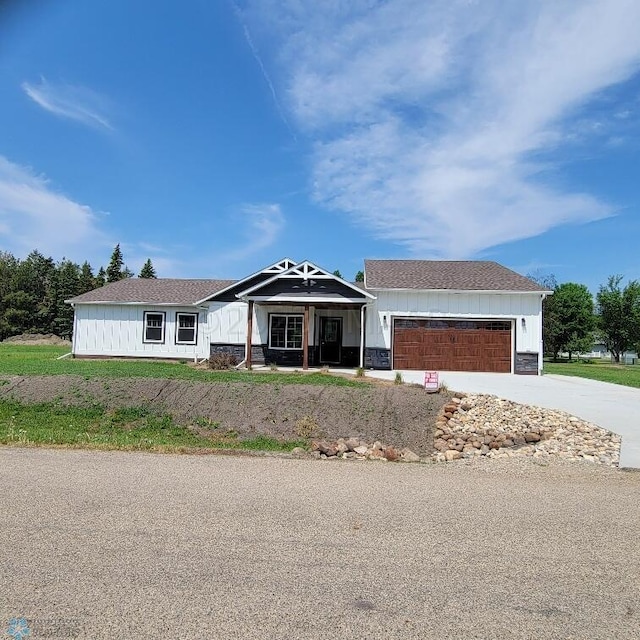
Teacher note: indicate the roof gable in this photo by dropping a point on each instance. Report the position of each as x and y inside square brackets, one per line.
[456, 275]
[228, 294]
[306, 279]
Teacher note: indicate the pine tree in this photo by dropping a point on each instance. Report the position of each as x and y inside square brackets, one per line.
[147, 270]
[67, 286]
[100, 279]
[337, 273]
[87, 280]
[114, 270]
[360, 276]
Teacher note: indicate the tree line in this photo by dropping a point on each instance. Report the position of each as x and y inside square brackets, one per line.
[33, 290]
[573, 321]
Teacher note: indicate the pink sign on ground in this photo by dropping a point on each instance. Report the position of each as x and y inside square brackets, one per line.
[431, 381]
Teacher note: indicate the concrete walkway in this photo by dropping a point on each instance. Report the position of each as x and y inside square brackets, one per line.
[611, 406]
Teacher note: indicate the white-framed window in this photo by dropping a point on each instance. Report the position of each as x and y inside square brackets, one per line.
[154, 323]
[186, 328]
[285, 331]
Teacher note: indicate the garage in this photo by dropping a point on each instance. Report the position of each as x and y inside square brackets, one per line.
[452, 345]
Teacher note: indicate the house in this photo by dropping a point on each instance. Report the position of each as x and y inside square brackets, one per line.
[408, 314]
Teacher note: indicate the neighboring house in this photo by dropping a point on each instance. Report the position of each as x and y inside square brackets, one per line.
[599, 350]
[408, 314]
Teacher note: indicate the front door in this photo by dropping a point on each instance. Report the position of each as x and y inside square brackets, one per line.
[330, 340]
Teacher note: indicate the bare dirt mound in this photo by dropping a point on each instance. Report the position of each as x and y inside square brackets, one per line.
[38, 338]
[397, 415]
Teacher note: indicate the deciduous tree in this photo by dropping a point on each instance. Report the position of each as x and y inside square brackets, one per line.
[619, 315]
[572, 319]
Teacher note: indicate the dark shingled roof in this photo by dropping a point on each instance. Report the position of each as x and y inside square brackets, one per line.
[176, 291]
[469, 275]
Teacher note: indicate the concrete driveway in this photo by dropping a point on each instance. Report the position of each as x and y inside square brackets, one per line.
[610, 406]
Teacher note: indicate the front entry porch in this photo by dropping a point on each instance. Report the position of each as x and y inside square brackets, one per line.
[305, 335]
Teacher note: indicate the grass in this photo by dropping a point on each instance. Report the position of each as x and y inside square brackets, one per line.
[25, 360]
[627, 375]
[130, 428]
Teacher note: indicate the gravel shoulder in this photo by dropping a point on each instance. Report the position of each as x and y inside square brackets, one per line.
[156, 546]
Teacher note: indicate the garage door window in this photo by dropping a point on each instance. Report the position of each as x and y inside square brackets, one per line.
[459, 325]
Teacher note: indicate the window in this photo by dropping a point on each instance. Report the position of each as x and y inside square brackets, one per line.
[285, 332]
[186, 328]
[153, 327]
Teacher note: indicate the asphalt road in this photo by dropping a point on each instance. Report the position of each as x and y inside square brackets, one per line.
[123, 545]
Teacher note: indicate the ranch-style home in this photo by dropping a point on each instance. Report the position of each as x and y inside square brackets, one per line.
[407, 314]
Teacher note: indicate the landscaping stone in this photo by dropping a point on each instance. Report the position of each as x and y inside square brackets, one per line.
[498, 428]
[409, 456]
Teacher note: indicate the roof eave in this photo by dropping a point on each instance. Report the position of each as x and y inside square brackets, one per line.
[510, 291]
[138, 303]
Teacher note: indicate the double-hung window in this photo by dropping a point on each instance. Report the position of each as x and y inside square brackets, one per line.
[186, 328]
[154, 326]
[285, 331]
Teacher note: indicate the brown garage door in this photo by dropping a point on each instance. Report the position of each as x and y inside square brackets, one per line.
[452, 345]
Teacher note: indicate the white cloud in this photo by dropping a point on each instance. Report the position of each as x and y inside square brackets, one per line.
[261, 224]
[33, 215]
[426, 117]
[70, 101]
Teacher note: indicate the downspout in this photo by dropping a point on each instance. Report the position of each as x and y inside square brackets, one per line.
[75, 326]
[206, 336]
[363, 317]
[541, 356]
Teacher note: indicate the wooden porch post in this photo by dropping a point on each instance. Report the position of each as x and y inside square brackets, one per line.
[305, 338]
[249, 334]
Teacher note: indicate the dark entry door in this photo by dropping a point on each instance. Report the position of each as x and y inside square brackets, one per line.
[330, 340]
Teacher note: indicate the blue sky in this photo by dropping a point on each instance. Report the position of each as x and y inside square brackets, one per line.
[217, 137]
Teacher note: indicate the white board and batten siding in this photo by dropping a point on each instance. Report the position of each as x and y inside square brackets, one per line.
[464, 305]
[117, 330]
[227, 323]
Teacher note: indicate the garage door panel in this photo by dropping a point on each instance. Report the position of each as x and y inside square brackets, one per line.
[452, 345]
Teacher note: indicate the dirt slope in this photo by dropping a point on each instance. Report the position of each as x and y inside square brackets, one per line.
[402, 416]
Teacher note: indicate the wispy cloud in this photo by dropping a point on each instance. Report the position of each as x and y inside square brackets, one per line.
[258, 58]
[261, 224]
[436, 123]
[33, 215]
[70, 101]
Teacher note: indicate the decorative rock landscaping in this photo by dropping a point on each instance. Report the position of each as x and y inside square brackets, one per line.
[476, 425]
[483, 425]
[355, 448]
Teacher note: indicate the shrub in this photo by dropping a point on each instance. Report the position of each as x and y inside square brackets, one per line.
[360, 372]
[306, 427]
[398, 378]
[220, 361]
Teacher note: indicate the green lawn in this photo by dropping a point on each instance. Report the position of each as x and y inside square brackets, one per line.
[42, 360]
[134, 428]
[628, 375]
